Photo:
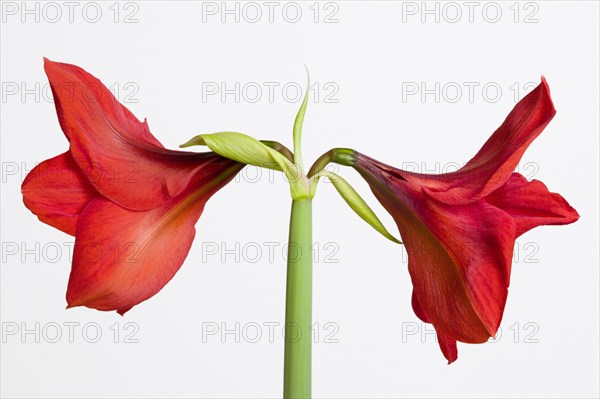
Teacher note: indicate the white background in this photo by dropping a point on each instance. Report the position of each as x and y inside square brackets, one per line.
[371, 56]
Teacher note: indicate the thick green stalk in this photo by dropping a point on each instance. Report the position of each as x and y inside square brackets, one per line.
[298, 306]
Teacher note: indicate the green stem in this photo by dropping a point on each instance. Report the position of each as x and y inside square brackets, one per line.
[298, 306]
[342, 156]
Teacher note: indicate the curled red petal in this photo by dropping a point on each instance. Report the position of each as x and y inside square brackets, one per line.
[117, 152]
[493, 165]
[531, 204]
[123, 257]
[57, 192]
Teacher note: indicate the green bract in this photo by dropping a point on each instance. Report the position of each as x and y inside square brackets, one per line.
[298, 122]
[246, 149]
[354, 200]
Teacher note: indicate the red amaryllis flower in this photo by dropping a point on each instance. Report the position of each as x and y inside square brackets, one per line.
[459, 228]
[130, 203]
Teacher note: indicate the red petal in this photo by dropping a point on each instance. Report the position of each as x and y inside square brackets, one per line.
[448, 347]
[492, 166]
[124, 257]
[418, 309]
[117, 152]
[56, 191]
[531, 204]
[459, 256]
[459, 259]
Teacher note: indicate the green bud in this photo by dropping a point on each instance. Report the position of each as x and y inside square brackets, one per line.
[298, 122]
[355, 201]
[246, 149]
